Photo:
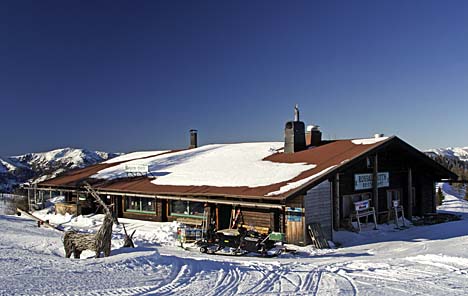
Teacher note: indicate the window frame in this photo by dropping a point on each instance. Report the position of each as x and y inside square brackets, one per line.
[140, 211]
[187, 206]
[394, 192]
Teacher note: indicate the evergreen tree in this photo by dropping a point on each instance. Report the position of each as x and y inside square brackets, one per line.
[440, 196]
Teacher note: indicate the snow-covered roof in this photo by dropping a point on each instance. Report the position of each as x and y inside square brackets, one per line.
[369, 141]
[242, 170]
[134, 155]
[232, 165]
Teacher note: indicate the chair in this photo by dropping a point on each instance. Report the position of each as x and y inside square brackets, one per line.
[363, 209]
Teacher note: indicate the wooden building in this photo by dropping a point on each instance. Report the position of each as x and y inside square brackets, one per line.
[281, 186]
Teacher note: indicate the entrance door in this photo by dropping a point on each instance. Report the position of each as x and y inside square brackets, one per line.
[224, 216]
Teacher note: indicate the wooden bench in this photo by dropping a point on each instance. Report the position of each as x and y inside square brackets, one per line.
[259, 229]
[190, 221]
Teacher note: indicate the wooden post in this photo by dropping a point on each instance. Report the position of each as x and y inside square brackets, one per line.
[410, 195]
[217, 216]
[375, 186]
[283, 220]
[336, 203]
[155, 206]
[29, 199]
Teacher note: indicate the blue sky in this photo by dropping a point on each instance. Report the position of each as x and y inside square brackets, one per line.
[137, 75]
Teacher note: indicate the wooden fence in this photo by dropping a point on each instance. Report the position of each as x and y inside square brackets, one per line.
[6, 200]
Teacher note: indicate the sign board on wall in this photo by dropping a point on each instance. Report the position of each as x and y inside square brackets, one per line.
[135, 168]
[294, 214]
[364, 181]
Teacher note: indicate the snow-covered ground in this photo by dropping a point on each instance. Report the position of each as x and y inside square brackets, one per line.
[424, 260]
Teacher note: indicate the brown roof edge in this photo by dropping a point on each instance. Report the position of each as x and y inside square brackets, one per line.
[272, 198]
[375, 148]
[427, 159]
[312, 183]
[130, 192]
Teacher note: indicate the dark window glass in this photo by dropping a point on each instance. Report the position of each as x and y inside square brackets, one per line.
[147, 204]
[196, 208]
[179, 207]
[187, 208]
[141, 204]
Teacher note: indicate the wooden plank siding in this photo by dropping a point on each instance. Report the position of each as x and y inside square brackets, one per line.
[295, 230]
[425, 196]
[398, 165]
[318, 208]
[258, 217]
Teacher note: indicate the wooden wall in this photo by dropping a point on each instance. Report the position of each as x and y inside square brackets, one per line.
[259, 217]
[425, 194]
[397, 164]
[318, 208]
[295, 221]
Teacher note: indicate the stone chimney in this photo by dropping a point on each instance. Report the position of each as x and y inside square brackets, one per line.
[294, 134]
[313, 135]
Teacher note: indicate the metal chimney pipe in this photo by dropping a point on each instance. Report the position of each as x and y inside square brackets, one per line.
[193, 138]
[296, 113]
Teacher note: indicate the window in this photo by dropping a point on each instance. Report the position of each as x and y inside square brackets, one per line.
[140, 205]
[392, 195]
[187, 208]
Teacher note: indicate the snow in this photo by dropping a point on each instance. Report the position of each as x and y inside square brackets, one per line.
[420, 260]
[134, 155]
[6, 166]
[37, 167]
[3, 168]
[70, 154]
[452, 152]
[293, 185]
[368, 141]
[230, 165]
[453, 202]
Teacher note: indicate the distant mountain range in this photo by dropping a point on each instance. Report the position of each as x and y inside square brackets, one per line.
[460, 154]
[36, 167]
[455, 159]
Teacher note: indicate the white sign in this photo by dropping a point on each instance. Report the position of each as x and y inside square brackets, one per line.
[135, 168]
[361, 205]
[364, 181]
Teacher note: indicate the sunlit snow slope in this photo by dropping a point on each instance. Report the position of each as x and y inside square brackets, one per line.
[425, 260]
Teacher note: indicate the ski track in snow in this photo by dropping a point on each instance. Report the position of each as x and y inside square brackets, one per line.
[172, 275]
[429, 260]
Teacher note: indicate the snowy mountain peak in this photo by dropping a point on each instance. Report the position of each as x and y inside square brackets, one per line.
[73, 157]
[451, 152]
[36, 167]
